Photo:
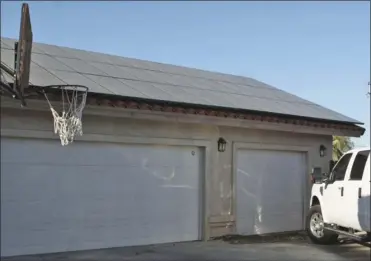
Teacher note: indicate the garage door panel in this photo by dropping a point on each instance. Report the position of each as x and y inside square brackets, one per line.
[269, 191]
[109, 154]
[95, 203]
[164, 175]
[69, 179]
[95, 195]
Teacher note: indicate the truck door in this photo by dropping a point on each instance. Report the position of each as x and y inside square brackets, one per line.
[333, 192]
[357, 193]
[365, 202]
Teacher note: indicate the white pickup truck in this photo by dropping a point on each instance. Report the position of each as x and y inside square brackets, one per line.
[340, 201]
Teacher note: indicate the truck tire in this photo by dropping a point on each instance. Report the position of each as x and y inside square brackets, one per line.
[315, 228]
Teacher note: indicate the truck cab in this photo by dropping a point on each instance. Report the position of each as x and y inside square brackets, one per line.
[340, 201]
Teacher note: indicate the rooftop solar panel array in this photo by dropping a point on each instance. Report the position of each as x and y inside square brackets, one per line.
[108, 74]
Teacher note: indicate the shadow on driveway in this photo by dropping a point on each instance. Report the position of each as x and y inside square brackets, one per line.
[214, 250]
[349, 250]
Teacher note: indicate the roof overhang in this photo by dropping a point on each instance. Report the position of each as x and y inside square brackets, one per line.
[164, 111]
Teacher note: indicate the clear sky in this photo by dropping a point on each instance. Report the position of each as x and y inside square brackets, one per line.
[317, 50]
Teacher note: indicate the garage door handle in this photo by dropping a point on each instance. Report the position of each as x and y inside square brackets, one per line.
[359, 192]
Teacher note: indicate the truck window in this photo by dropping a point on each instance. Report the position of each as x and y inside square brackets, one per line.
[340, 169]
[359, 165]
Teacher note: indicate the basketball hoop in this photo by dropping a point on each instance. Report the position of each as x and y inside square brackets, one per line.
[68, 123]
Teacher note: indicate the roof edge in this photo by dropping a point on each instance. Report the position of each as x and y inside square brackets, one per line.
[114, 97]
[128, 108]
[218, 108]
[195, 109]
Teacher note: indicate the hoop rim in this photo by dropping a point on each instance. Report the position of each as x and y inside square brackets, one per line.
[62, 86]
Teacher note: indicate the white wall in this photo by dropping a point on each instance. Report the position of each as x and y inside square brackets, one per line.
[219, 184]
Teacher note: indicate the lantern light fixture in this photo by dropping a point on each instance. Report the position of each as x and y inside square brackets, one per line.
[221, 144]
[322, 151]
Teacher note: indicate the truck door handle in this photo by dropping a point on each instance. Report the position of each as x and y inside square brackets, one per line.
[359, 192]
[341, 190]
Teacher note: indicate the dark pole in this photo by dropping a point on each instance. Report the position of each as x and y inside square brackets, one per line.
[369, 94]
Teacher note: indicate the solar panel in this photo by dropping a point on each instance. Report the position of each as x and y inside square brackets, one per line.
[80, 66]
[115, 86]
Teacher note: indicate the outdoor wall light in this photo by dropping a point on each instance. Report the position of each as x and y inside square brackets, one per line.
[322, 151]
[221, 144]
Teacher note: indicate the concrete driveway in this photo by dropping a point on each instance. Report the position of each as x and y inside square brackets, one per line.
[215, 250]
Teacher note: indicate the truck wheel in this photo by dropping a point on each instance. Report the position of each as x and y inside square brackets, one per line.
[315, 229]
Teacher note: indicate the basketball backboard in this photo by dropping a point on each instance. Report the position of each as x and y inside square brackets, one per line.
[23, 50]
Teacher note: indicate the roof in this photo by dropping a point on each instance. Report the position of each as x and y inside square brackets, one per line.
[114, 75]
[358, 149]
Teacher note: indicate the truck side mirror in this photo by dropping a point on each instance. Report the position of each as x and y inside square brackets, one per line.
[326, 178]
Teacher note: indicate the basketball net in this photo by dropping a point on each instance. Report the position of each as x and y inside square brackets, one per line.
[68, 123]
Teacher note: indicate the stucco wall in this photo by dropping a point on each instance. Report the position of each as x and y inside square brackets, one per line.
[220, 179]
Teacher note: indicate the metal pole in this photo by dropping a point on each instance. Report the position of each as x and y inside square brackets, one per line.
[368, 95]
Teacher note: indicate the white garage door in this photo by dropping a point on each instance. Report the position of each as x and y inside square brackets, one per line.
[96, 195]
[270, 191]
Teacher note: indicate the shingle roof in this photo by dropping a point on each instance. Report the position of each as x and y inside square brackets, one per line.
[114, 75]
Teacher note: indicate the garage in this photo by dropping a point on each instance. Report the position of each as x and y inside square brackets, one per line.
[270, 191]
[96, 195]
[167, 153]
